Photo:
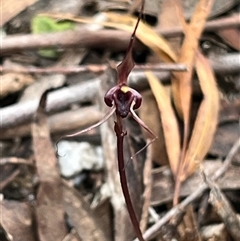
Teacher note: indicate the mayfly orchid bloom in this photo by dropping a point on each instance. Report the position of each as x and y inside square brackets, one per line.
[123, 100]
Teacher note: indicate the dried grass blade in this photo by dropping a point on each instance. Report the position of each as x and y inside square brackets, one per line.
[182, 82]
[169, 121]
[206, 120]
[127, 23]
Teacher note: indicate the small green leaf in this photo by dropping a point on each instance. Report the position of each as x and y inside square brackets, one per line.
[42, 24]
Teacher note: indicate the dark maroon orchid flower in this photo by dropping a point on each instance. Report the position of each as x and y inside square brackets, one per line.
[123, 100]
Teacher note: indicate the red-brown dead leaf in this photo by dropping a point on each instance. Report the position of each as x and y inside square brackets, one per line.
[231, 36]
[49, 206]
[16, 220]
[88, 225]
[72, 236]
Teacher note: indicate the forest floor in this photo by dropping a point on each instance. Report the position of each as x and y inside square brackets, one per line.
[58, 60]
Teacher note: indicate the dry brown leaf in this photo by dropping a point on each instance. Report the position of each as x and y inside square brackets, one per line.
[169, 121]
[103, 210]
[231, 36]
[163, 184]
[206, 120]
[167, 16]
[51, 191]
[179, 10]
[16, 220]
[224, 210]
[188, 228]
[182, 82]
[151, 118]
[145, 33]
[125, 22]
[49, 196]
[147, 194]
[87, 224]
[72, 236]
[167, 19]
[11, 8]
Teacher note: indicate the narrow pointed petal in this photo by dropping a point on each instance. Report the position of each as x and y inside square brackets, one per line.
[128, 63]
[105, 118]
[141, 123]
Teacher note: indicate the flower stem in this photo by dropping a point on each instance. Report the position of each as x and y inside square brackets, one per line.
[123, 179]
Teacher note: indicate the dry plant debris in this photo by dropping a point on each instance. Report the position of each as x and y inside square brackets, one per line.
[187, 70]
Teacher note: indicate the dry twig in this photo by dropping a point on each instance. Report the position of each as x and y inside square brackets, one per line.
[223, 208]
[110, 39]
[92, 68]
[153, 231]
